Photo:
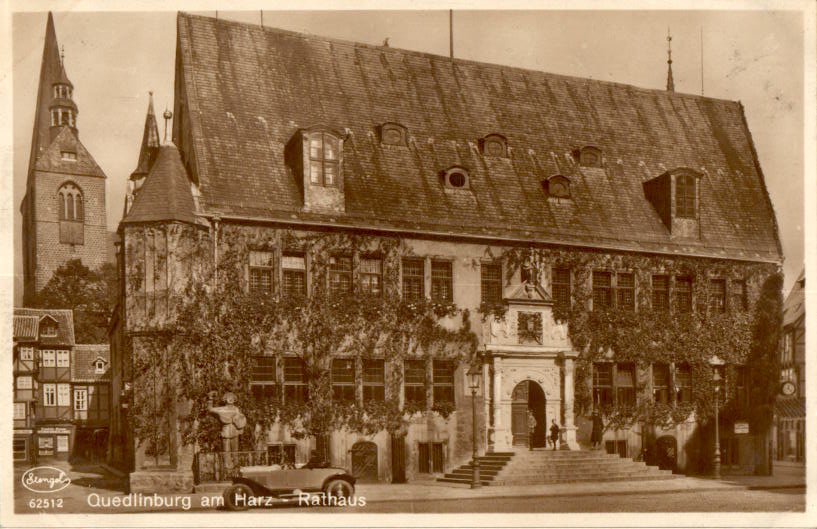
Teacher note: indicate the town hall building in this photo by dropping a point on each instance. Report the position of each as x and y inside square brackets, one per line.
[538, 202]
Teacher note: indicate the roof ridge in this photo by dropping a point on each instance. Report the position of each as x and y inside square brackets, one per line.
[392, 49]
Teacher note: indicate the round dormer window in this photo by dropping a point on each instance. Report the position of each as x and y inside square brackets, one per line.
[456, 178]
[494, 145]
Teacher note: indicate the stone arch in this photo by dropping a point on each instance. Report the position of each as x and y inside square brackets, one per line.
[70, 202]
[546, 378]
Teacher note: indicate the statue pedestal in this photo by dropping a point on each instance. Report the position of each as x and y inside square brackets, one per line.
[570, 438]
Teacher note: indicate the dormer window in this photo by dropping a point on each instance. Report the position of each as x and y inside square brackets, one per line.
[323, 158]
[557, 186]
[99, 366]
[494, 145]
[69, 155]
[48, 327]
[393, 134]
[685, 195]
[588, 156]
[456, 178]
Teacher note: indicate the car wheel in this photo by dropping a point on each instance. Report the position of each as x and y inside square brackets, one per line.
[339, 488]
[237, 497]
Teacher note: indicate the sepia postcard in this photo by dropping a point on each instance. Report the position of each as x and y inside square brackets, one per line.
[410, 265]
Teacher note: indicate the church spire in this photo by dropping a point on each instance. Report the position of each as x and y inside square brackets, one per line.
[670, 80]
[150, 144]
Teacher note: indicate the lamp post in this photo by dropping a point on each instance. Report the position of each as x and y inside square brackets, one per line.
[716, 378]
[474, 374]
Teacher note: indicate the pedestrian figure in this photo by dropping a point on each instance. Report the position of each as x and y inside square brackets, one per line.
[598, 428]
[531, 428]
[554, 433]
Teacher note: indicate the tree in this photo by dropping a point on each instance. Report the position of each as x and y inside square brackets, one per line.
[90, 294]
[764, 370]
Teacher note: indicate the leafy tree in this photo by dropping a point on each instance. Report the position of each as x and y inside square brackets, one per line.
[90, 294]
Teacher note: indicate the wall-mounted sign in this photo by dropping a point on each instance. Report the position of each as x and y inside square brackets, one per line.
[788, 388]
[741, 427]
[53, 430]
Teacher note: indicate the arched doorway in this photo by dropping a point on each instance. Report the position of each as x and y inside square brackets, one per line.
[364, 461]
[528, 396]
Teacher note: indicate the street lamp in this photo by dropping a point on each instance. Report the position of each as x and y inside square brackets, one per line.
[474, 375]
[716, 378]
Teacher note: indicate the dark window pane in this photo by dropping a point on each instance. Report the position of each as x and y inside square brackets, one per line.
[660, 383]
[685, 196]
[343, 380]
[441, 281]
[625, 291]
[683, 294]
[603, 384]
[413, 285]
[373, 379]
[602, 292]
[263, 369]
[561, 287]
[294, 276]
[340, 275]
[738, 293]
[491, 283]
[683, 382]
[371, 274]
[717, 295]
[660, 293]
[443, 377]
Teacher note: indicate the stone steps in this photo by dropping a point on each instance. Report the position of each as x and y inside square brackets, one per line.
[546, 466]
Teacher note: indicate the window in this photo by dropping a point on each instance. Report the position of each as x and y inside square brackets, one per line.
[62, 91]
[415, 382]
[49, 395]
[80, 399]
[589, 156]
[685, 196]
[20, 411]
[392, 134]
[62, 443]
[683, 294]
[27, 353]
[491, 283]
[625, 384]
[261, 264]
[373, 380]
[24, 382]
[442, 282]
[602, 291]
[738, 293]
[683, 383]
[413, 280]
[660, 383]
[429, 458]
[46, 445]
[294, 276]
[456, 178]
[263, 378]
[61, 117]
[788, 348]
[99, 366]
[717, 295]
[660, 293]
[48, 328]
[560, 289]
[625, 291]
[494, 145]
[63, 394]
[340, 274]
[371, 276]
[71, 214]
[48, 358]
[603, 384]
[557, 186]
[295, 381]
[323, 159]
[69, 156]
[343, 380]
[281, 454]
[62, 358]
[443, 377]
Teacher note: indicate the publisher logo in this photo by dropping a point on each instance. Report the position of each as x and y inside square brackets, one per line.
[45, 479]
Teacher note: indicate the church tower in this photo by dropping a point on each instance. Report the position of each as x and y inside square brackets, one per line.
[64, 205]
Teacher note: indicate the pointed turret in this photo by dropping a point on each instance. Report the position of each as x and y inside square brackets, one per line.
[670, 80]
[148, 154]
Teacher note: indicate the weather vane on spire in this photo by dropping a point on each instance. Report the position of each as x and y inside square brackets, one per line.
[62, 54]
[670, 81]
[167, 115]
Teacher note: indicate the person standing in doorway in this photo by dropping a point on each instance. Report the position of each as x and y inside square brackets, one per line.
[598, 429]
[531, 428]
[554, 433]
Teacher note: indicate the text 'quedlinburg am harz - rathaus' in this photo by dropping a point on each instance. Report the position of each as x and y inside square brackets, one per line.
[585, 245]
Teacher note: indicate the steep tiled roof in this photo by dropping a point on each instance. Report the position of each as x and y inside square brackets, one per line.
[25, 328]
[795, 306]
[65, 324]
[247, 90]
[165, 195]
[83, 360]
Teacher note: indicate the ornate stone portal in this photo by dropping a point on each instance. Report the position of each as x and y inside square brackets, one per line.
[527, 345]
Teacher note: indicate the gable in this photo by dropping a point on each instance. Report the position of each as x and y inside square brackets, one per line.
[250, 89]
[53, 160]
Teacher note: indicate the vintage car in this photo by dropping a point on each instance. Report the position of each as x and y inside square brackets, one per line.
[259, 486]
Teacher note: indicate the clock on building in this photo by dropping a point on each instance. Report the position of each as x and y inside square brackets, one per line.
[788, 388]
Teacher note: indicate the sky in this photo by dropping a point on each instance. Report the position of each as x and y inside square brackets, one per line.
[115, 58]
